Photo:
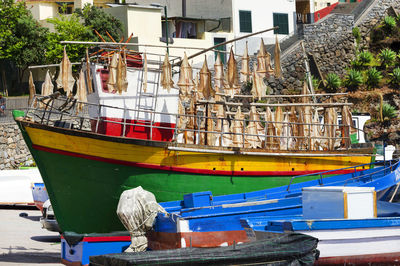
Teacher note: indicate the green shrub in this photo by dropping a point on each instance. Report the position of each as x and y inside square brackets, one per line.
[387, 57]
[365, 57]
[357, 35]
[395, 76]
[333, 82]
[373, 77]
[315, 82]
[389, 24]
[353, 79]
[356, 64]
[388, 111]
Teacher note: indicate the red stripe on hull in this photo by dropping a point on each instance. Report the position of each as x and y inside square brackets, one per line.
[374, 259]
[140, 129]
[186, 170]
[162, 240]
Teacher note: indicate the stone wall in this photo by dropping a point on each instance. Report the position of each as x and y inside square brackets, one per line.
[13, 150]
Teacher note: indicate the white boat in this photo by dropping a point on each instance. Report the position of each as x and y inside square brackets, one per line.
[351, 226]
[16, 186]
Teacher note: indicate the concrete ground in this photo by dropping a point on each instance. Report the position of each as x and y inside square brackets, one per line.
[24, 242]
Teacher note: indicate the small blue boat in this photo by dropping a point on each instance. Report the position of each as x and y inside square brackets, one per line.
[202, 220]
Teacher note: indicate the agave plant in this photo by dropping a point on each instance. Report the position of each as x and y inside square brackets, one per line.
[373, 77]
[395, 76]
[387, 57]
[365, 57]
[333, 82]
[389, 24]
[356, 64]
[388, 111]
[353, 79]
[357, 35]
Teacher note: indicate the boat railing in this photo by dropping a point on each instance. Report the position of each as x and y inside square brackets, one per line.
[56, 110]
[389, 167]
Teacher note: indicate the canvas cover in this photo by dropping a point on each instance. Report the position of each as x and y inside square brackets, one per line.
[285, 249]
[137, 209]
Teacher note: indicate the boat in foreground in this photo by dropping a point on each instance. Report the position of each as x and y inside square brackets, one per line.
[204, 220]
[349, 232]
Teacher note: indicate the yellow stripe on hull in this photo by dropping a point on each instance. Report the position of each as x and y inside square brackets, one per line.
[160, 156]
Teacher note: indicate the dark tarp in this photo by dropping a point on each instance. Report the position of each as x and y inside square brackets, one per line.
[285, 249]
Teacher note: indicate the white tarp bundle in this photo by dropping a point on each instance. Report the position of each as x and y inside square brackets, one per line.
[137, 209]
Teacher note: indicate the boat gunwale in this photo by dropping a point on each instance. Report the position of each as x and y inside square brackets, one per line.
[170, 145]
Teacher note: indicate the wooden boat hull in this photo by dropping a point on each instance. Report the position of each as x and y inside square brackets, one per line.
[85, 172]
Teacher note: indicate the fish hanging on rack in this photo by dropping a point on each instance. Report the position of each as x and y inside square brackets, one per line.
[65, 79]
[300, 143]
[122, 82]
[277, 59]
[112, 73]
[245, 71]
[305, 91]
[330, 118]
[32, 90]
[293, 127]
[237, 128]
[145, 70]
[221, 119]
[268, 118]
[264, 68]
[47, 89]
[253, 130]
[88, 73]
[189, 133]
[347, 123]
[205, 82]
[182, 121]
[286, 140]
[232, 77]
[211, 137]
[316, 132]
[259, 89]
[185, 82]
[81, 93]
[308, 119]
[166, 74]
[219, 79]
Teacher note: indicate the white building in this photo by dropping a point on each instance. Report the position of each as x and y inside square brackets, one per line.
[202, 24]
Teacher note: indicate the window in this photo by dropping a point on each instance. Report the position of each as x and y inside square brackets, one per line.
[282, 21]
[245, 21]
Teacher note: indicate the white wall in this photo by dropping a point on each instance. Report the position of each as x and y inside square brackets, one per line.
[262, 18]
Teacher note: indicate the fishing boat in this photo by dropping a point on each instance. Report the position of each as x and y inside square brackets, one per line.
[357, 230]
[204, 220]
[174, 130]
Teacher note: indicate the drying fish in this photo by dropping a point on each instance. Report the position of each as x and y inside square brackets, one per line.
[232, 77]
[166, 74]
[211, 137]
[182, 121]
[271, 132]
[277, 59]
[145, 70]
[254, 129]
[316, 132]
[346, 126]
[245, 71]
[286, 140]
[219, 79]
[259, 88]
[112, 73]
[122, 82]
[330, 118]
[293, 127]
[300, 143]
[237, 128]
[185, 82]
[47, 88]
[32, 89]
[205, 82]
[264, 68]
[81, 94]
[88, 74]
[65, 79]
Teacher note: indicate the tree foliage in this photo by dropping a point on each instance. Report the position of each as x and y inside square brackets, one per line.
[22, 40]
[102, 22]
[67, 28]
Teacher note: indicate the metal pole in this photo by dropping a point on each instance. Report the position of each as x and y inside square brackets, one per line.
[166, 27]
